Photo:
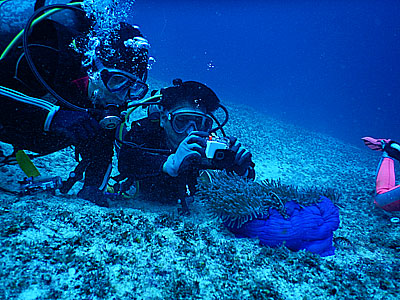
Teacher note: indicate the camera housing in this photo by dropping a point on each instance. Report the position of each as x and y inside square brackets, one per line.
[218, 155]
[215, 143]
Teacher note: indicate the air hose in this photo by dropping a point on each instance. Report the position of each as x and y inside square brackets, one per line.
[19, 35]
[32, 66]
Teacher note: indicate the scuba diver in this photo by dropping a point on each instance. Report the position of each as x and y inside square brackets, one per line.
[61, 87]
[164, 155]
[387, 192]
[165, 151]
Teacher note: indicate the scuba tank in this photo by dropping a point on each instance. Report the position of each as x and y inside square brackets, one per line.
[15, 13]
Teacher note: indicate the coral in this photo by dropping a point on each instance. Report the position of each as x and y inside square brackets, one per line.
[303, 196]
[232, 198]
[236, 200]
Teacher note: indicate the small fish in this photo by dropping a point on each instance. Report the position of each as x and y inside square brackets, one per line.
[342, 243]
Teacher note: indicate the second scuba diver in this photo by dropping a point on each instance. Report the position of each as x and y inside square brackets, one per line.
[387, 192]
[164, 152]
[50, 101]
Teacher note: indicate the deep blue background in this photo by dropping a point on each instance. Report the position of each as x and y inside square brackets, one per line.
[332, 66]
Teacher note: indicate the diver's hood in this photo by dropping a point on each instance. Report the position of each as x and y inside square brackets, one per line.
[126, 49]
[191, 92]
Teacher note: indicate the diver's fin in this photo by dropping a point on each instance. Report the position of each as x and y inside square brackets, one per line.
[375, 144]
[26, 164]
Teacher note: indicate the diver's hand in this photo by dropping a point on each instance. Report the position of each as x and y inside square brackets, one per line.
[188, 153]
[243, 160]
[75, 126]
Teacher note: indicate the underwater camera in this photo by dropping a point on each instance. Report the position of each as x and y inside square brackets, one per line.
[218, 154]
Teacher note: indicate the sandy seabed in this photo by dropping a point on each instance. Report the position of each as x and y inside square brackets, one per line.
[63, 247]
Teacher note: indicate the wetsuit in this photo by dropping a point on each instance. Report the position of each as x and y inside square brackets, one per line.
[387, 192]
[26, 125]
[146, 167]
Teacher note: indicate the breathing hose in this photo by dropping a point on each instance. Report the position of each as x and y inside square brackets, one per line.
[32, 66]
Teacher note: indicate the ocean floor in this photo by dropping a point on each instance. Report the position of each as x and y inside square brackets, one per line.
[62, 247]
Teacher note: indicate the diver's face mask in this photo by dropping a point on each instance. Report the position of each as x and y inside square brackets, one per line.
[186, 122]
[123, 85]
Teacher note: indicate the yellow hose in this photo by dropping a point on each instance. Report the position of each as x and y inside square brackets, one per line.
[130, 111]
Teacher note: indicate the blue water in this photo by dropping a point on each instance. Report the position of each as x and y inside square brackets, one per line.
[331, 66]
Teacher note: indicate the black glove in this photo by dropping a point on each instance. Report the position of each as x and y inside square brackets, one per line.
[76, 126]
[243, 160]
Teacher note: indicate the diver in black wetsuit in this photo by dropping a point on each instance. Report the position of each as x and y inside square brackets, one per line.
[81, 110]
[165, 152]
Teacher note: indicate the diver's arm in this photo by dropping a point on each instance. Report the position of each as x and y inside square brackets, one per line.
[24, 112]
[243, 164]
[138, 164]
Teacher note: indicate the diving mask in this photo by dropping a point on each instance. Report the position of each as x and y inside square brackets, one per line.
[183, 121]
[123, 84]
